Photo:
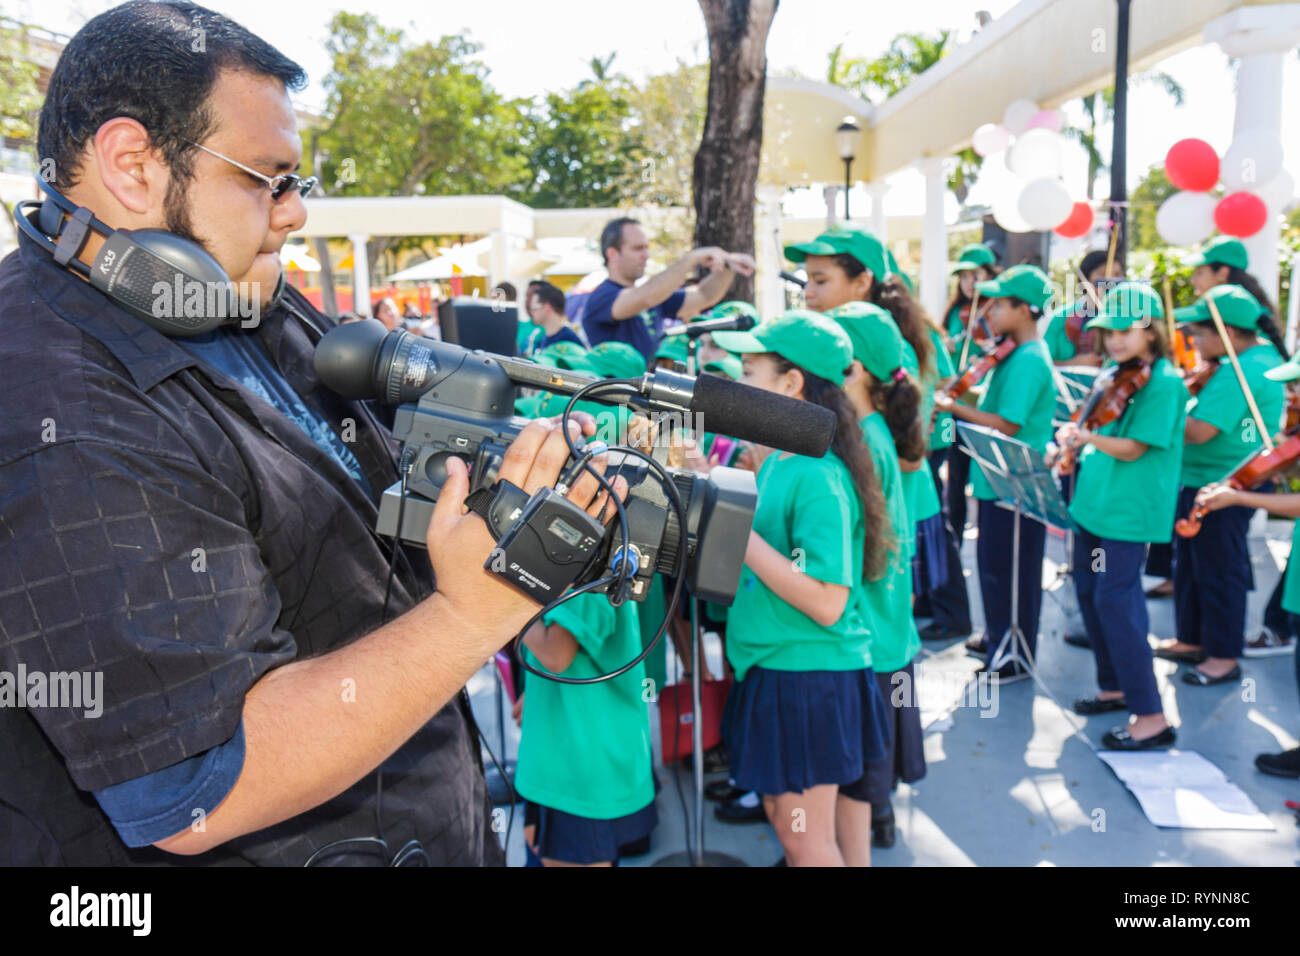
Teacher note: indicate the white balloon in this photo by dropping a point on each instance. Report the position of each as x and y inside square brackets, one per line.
[1186, 218]
[1278, 192]
[1018, 114]
[990, 138]
[1254, 158]
[1006, 209]
[1045, 204]
[1036, 154]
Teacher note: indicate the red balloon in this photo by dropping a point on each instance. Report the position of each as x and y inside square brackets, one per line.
[1240, 214]
[1192, 164]
[1077, 223]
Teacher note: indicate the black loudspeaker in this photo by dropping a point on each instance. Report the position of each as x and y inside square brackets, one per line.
[488, 324]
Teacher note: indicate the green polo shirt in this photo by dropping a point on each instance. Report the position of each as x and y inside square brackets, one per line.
[941, 429]
[888, 602]
[808, 508]
[1136, 500]
[1291, 583]
[585, 749]
[1021, 390]
[918, 486]
[1222, 404]
[1058, 343]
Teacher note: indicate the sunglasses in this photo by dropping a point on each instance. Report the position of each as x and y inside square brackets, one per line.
[280, 186]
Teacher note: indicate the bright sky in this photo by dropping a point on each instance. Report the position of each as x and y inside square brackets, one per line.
[532, 48]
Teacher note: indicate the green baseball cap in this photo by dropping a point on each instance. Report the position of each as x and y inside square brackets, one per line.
[902, 276]
[730, 366]
[807, 339]
[567, 355]
[616, 360]
[1288, 371]
[972, 257]
[877, 343]
[1224, 251]
[858, 243]
[1125, 304]
[1029, 284]
[673, 347]
[1236, 307]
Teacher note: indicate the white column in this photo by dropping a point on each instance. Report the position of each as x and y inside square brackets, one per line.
[828, 194]
[498, 259]
[877, 223]
[934, 238]
[767, 241]
[360, 274]
[1259, 38]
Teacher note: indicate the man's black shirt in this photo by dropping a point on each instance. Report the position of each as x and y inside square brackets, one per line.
[170, 529]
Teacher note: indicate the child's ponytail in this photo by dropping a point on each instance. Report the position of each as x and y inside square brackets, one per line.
[899, 401]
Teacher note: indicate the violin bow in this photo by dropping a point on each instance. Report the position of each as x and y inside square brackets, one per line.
[970, 324]
[1114, 238]
[1265, 433]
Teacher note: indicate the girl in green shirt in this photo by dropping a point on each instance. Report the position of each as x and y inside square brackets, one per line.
[1125, 493]
[885, 399]
[807, 715]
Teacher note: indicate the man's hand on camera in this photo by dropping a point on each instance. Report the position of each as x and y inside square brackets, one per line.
[459, 542]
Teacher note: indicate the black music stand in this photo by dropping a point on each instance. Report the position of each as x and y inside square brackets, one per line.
[1022, 482]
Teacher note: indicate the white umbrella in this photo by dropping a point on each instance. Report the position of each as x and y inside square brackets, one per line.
[439, 268]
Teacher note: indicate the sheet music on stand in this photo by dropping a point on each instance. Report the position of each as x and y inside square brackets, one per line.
[1017, 474]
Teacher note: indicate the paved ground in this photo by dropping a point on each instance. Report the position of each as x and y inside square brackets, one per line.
[1019, 787]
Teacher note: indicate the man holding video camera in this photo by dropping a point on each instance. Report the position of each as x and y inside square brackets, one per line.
[193, 519]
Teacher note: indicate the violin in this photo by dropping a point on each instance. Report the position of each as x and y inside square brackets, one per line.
[1111, 393]
[1085, 342]
[1199, 377]
[1292, 407]
[1257, 469]
[976, 371]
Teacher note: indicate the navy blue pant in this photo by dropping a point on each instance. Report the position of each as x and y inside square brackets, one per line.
[1160, 560]
[1212, 576]
[993, 553]
[958, 477]
[1280, 621]
[1108, 581]
[949, 603]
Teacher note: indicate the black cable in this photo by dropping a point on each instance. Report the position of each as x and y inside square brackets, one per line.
[679, 573]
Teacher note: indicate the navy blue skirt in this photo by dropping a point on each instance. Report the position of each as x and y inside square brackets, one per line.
[930, 560]
[573, 839]
[787, 731]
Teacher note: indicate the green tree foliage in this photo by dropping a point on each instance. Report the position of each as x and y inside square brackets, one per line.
[581, 148]
[407, 119]
[1145, 199]
[20, 98]
[907, 57]
[1099, 109]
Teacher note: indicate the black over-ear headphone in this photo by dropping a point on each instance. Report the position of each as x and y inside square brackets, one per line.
[132, 263]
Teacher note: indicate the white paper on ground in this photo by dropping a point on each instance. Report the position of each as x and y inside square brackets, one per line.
[1180, 788]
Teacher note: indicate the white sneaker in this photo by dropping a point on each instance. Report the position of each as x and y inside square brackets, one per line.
[1268, 643]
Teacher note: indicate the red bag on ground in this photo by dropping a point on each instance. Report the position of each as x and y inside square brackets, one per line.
[676, 717]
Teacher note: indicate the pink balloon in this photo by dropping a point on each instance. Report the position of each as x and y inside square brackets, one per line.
[1077, 223]
[1240, 214]
[1047, 119]
[1192, 164]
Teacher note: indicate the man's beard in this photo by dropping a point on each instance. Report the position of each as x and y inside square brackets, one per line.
[178, 213]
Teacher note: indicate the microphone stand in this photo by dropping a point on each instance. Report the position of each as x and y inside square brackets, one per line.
[699, 856]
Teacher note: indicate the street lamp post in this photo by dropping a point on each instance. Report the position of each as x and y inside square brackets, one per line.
[846, 139]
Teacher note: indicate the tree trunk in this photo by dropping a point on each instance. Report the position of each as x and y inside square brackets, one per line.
[726, 164]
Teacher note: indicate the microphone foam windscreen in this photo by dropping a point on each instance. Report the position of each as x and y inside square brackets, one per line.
[751, 414]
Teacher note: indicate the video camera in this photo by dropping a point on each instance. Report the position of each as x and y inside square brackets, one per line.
[453, 401]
